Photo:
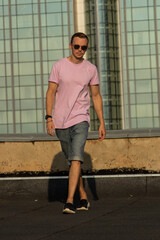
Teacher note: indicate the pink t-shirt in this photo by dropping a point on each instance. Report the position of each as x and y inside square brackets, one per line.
[72, 100]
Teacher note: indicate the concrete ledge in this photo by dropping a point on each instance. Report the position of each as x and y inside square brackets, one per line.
[46, 156]
[110, 134]
[55, 188]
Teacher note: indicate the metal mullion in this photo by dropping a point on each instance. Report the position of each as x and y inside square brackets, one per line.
[47, 36]
[12, 69]
[68, 12]
[134, 66]
[97, 50]
[41, 64]
[157, 56]
[114, 52]
[19, 75]
[126, 46]
[74, 7]
[150, 62]
[119, 52]
[5, 71]
[108, 49]
[34, 53]
[62, 30]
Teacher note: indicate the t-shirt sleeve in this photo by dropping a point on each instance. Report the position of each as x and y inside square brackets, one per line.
[54, 75]
[94, 77]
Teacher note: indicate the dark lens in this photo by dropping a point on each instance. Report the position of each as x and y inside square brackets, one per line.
[84, 48]
[76, 46]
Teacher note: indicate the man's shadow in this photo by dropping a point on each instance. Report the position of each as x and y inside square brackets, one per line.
[58, 185]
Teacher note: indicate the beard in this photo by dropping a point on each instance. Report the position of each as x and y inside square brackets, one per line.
[78, 57]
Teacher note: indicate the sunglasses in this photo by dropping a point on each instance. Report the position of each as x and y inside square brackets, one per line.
[76, 46]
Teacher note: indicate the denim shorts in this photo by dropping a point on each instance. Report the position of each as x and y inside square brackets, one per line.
[73, 140]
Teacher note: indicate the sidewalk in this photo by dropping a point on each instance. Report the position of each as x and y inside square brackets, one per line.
[132, 218]
[121, 209]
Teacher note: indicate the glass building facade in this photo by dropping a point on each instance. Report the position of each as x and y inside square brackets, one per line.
[33, 34]
[124, 44]
[140, 51]
[102, 29]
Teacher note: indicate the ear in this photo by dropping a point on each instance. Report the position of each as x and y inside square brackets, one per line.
[70, 46]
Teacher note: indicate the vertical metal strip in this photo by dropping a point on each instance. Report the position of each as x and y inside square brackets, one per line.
[41, 63]
[5, 66]
[62, 31]
[74, 7]
[97, 50]
[69, 22]
[34, 55]
[134, 71]
[97, 38]
[157, 56]
[20, 109]
[12, 69]
[120, 61]
[150, 60]
[126, 40]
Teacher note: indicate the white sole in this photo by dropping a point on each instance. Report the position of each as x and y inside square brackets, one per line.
[67, 210]
[83, 208]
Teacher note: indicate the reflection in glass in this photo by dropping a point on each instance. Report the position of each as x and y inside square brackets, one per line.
[29, 45]
[140, 80]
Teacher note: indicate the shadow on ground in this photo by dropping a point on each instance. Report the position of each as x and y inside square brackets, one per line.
[58, 188]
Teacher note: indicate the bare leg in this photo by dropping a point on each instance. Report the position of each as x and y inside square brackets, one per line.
[82, 192]
[74, 174]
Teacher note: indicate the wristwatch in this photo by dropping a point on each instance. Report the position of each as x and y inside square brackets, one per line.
[48, 116]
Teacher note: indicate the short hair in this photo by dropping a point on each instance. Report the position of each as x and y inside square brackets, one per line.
[80, 35]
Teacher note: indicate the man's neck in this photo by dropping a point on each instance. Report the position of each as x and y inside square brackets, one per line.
[75, 60]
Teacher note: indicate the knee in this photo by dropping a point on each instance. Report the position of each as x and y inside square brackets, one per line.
[75, 163]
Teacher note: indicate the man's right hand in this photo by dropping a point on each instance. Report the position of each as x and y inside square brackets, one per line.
[50, 128]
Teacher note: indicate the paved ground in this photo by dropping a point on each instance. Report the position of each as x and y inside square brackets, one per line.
[117, 218]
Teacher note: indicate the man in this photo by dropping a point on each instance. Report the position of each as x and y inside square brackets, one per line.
[68, 92]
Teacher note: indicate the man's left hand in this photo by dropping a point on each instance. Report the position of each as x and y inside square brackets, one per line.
[102, 132]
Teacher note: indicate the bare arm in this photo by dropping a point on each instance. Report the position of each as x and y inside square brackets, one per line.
[98, 106]
[50, 96]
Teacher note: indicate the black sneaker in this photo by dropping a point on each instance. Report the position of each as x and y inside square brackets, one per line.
[83, 205]
[69, 208]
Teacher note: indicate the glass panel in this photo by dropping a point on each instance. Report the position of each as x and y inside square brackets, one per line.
[140, 26]
[142, 62]
[141, 38]
[143, 74]
[26, 68]
[54, 7]
[25, 45]
[158, 12]
[29, 128]
[143, 98]
[139, 14]
[156, 122]
[145, 122]
[24, 9]
[137, 3]
[24, 21]
[144, 110]
[143, 86]
[27, 92]
[54, 19]
[141, 50]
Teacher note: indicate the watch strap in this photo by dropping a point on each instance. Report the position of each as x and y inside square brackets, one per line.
[48, 116]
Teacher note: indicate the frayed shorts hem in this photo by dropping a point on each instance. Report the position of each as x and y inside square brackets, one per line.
[76, 158]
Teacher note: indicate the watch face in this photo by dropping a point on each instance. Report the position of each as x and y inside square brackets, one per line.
[48, 116]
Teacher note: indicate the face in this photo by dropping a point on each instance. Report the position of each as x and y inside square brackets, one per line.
[78, 53]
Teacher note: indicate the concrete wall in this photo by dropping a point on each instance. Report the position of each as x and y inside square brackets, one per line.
[46, 156]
